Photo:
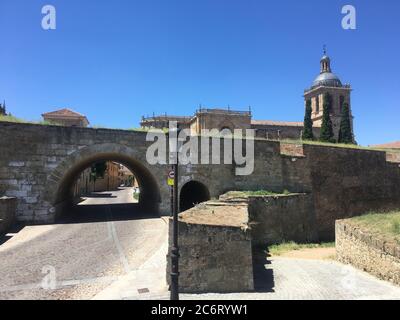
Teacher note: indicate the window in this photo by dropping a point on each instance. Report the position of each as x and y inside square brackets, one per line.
[317, 104]
[341, 104]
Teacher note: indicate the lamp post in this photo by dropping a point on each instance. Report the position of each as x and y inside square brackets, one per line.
[174, 150]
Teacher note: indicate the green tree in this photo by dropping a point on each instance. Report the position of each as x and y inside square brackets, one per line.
[326, 126]
[308, 130]
[98, 170]
[345, 133]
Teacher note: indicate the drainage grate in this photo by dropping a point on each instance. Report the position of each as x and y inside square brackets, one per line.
[143, 290]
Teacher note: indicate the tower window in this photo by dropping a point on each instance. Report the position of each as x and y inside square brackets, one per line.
[341, 104]
[317, 104]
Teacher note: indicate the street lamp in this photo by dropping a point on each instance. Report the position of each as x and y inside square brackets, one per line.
[174, 151]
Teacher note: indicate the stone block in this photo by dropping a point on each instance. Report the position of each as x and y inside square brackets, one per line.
[16, 164]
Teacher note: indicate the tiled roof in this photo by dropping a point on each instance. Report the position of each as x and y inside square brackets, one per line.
[392, 145]
[64, 113]
[276, 123]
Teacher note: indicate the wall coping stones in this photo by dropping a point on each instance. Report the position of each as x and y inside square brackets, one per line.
[232, 197]
[217, 213]
[367, 251]
[355, 231]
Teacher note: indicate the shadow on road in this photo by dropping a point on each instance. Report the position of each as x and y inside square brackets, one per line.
[107, 212]
[94, 195]
[263, 277]
[10, 233]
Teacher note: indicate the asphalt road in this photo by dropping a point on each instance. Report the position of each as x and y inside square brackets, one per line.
[79, 259]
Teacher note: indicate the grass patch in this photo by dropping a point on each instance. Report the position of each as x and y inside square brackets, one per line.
[164, 130]
[256, 193]
[13, 119]
[279, 249]
[338, 145]
[265, 193]
[326, 144]
[384, 225]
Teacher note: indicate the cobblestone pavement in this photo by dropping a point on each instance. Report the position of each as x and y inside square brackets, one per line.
[125, 259]
[287, 278]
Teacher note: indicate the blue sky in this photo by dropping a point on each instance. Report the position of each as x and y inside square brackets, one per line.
[118, 60]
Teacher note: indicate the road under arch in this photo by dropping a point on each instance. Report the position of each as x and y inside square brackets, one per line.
[149, 199]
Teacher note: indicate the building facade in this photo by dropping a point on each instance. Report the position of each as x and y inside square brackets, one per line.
[325, 83]
[87, 183]
[66, 117]
[328, 83]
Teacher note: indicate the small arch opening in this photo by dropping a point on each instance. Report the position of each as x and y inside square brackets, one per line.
[192, 193]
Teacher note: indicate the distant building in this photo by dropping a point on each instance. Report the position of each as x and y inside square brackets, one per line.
[87, 182]
[219, 119]
[391, 145]
[162, 121]
[66, 117]
[326, 82]
[126, 177]
[207, 119]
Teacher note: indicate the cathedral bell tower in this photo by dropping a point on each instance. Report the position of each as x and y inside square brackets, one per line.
[328, 82]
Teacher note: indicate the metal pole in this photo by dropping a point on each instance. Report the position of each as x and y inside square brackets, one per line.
[171, 197]
[175, 247]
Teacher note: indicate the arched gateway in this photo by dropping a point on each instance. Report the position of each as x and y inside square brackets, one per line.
[60, 191]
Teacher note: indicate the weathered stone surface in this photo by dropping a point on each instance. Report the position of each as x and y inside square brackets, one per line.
[357, 247]
[276, 219]
[348, 182]
[343, 182]
[215, 251]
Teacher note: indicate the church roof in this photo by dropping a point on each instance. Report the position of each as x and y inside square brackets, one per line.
[64, 113]
[328, 79]
[391, 145]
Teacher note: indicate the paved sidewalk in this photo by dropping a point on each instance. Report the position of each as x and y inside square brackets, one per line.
[148, 281]
[300, 279]
[280, 279]
[88, 255]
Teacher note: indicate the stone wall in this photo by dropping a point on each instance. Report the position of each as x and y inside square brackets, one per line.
[282, 218]
[7, 213]
[357, 247]
[39, 164]
[392, 156]
[215, 251]
[348, 182]
[292, 149]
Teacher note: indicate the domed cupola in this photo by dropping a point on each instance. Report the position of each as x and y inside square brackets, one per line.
[326, 77]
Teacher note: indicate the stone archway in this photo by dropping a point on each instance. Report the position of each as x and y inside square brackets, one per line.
[60, 191]
[192, 193]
